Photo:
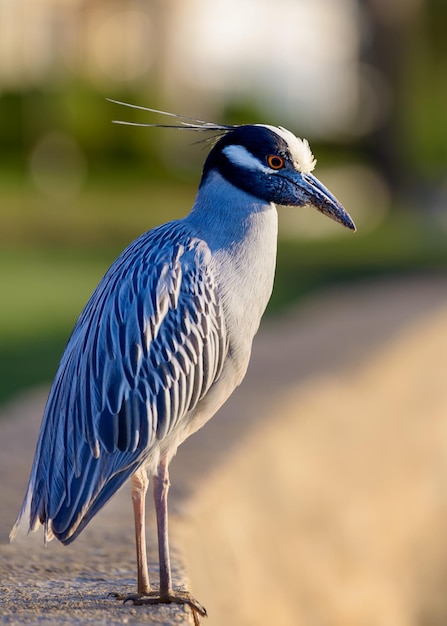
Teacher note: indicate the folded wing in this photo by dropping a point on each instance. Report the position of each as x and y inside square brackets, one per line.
[149, 344]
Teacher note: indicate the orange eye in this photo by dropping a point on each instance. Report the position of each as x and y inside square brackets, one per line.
[275, 162]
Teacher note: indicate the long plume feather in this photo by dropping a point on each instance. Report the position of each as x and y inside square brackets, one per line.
[185, 123]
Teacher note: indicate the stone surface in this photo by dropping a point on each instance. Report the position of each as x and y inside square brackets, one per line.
[314, 497]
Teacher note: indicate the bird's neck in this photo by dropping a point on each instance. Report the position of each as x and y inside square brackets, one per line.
[226, 216]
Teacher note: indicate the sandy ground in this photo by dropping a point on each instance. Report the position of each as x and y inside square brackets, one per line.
[316, 497]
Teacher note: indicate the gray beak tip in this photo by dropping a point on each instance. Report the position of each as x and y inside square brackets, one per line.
[350, 224]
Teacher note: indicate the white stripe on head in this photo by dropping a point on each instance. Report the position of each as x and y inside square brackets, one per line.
[299, 149]
[239, 155]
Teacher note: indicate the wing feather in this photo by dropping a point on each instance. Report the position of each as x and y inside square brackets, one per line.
[147, 347]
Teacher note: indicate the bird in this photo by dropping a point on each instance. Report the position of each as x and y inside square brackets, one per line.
[166, 337]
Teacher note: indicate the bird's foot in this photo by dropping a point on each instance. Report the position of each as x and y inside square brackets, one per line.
[171, 597]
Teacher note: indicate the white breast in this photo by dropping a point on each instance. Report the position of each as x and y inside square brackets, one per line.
[246, 273]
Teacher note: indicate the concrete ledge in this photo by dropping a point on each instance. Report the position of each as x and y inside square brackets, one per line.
[316, 496]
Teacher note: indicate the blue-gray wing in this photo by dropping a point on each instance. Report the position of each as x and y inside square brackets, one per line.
[147, 347]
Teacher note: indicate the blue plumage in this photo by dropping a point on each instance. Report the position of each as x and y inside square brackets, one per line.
[145, 350]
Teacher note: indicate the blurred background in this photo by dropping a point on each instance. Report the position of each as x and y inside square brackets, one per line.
[363, 80]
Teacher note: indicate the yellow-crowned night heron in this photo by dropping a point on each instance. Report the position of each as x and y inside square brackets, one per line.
[165, 339]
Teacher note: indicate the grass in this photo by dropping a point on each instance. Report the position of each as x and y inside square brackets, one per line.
[42, 293]
[51, 261]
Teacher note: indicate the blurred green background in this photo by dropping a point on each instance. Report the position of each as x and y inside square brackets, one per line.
[364, 80]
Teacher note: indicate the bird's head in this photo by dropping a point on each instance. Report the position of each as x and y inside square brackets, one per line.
[268, 162]
[272, 164]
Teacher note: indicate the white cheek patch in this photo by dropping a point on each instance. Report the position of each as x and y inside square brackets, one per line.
[240, 156]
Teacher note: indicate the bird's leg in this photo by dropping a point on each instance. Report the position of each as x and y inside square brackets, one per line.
[140, 483]
[161, 489]
[167, 594]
